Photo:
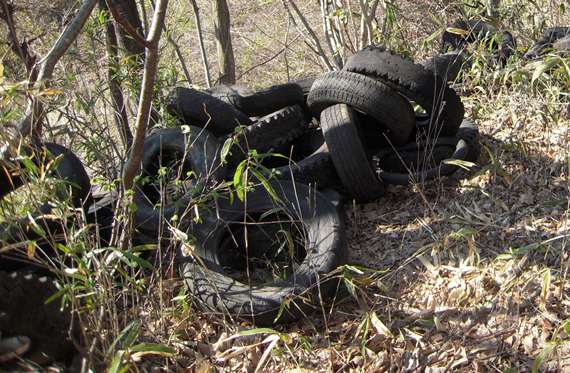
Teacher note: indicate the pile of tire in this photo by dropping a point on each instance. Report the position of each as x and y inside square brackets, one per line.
[347, 133]
[382, 120]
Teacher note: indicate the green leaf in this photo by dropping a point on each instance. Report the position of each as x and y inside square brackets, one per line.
[226, 148]
[433, 36]
[153, 348]
[546, 65]
[542, 357]
[117, 363]
[266, 184]
[466, 165]
[256, 331]
[125, 337]
[457, 31]
[134, 260]
[238, 181]
[566, 326]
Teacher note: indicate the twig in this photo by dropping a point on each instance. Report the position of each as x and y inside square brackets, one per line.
[310, 31]
[201, 43]
[179, 55]
[267, 60]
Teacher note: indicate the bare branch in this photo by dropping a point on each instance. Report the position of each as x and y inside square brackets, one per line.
[179, 55]
[201, 42]
[290, 4]
[67, 37]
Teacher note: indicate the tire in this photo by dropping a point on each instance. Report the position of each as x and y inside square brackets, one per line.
[414, 82]
[200, 109]
[268, 134]
[467, 148]
[199, 152]
[447, 66]
[326, 249]
[478, 31]
[340, 129]
[24, 312]
[562, 45]
[368, 96]
[230, 94]
[271, 99]
[70, 170]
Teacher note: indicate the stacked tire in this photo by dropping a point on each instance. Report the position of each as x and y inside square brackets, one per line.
[382, 120]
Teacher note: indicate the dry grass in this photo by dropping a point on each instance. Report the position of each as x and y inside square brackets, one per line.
[468, 273]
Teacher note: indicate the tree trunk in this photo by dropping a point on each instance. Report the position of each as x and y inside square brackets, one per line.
[117, 99]
[222, 27]
[128, 12]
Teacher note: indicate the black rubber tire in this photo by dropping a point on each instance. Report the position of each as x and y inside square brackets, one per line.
[230, 94]
[416, 156]
[340, 128]
[23, 312]
[325, 251]
[268, 100]
[268, 134]
[392, 111]
[200, 151]
[467, 148]
[70, 169]
[549, 37]
[316, 169]
[562, 46]
[447, 66]
[414, 82]
[203, 110]
[480, 31]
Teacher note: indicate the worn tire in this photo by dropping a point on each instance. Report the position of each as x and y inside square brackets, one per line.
[203, 110]
[340, 128]
[230, 94]
[311, 162]
[479, 31]
[268, 134]
[23, 312]
[199, 150]
[392, 111]
[414, 82]
[467, 148]
[326, 249]
[447, 66]
[268, 100]
[69, 169]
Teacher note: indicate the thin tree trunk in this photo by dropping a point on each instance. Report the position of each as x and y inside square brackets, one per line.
[117, 99]
[133, 164]
[222, 28]
[201, 42]
[132, 167]
[129, 29]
